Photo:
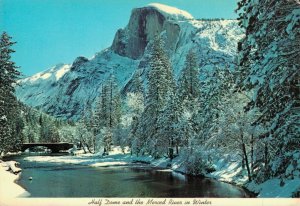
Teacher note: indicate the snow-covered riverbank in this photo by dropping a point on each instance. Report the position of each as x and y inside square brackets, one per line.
[8, 188]
[227, 171]
[232, 172]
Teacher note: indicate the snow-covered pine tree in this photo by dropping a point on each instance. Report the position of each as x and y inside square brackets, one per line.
[170, 131]
[160, 83]
[189, 82]
[189, 95]
[9, 108]
[91, 126]
[200, 125]
[117, 109]
[135, 138]
[138, 87]
[9, 71]
[108, 111]
[269, 63]
[101, 117]
[214, 88]
[53, 135]
[135, 102]
[101, 114]
[48, 129]
[114, 105]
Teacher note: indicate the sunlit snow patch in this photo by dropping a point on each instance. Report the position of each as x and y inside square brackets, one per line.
[171, 11]
[62, 71]
[107, 164]
[8, 187]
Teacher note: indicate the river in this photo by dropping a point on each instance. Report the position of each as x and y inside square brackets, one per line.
[135, 180]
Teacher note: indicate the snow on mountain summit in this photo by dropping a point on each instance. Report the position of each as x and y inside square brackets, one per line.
[172, 12]
[64, 91]
[54, 73]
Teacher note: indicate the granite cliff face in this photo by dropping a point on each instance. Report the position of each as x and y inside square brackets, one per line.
[65, 90]
[144, 24]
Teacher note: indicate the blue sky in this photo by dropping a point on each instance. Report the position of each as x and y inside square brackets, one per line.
[49, 32]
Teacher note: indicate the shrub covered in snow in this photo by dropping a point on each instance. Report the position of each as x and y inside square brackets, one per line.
[196, 161]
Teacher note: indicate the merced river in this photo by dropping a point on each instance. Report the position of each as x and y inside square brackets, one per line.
[134, 180]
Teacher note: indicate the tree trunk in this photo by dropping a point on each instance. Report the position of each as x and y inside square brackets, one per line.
[246, 161]
[171, 153]
[110, 107]
[245, 156]
[87, 146]
[266, 160]
[243, 161]
[94, 142]
[84, 149]
[266, 154]
[252, 154]
[82, 144]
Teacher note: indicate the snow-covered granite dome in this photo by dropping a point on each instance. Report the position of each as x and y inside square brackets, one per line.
[65, 90]
[171, 12]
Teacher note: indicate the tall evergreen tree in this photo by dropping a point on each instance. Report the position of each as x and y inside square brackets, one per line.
[160, 83]
[170, 129]
[114, 102]
[189, 94]
[135, 101]
[138, 86]
[108, 111]
[269, 64]
[214, 88]
[9, 109]
[189, 82]
[102, 109]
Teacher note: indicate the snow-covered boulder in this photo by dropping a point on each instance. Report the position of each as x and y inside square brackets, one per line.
[13, 166]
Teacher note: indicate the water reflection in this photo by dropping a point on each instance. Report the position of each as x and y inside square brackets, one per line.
[66, 180]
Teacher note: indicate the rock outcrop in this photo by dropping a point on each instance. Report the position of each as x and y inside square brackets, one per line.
[143, 25]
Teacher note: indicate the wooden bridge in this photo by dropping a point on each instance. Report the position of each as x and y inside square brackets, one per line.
[55, 147]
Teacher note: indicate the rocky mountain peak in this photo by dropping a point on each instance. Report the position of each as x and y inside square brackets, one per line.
[144, 24]
[78, 62]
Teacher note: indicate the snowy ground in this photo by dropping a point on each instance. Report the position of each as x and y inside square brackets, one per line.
[8, 188]
[226, 170]
[115, 158]
[232, 172]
